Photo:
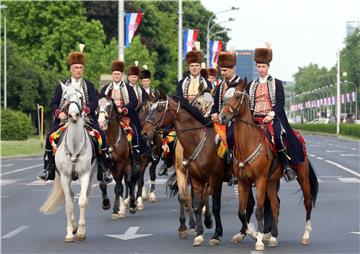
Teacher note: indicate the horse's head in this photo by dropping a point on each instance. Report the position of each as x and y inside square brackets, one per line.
[73, 103]
[159, 116]
[235, 102]
[104, 111]
[204, 102]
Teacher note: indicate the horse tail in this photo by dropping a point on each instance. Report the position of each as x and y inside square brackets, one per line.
[171, 186]
[314, 185]
[55, 198]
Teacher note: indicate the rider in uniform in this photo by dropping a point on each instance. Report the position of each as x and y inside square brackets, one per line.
[226, 64]
[145, 76]
[76, 62]
[267, 101]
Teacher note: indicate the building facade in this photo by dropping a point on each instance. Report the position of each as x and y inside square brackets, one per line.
[245, 65]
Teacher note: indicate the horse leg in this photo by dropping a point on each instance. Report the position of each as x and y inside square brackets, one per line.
[105, 199]
[275, 206]
[216, 207]
[152, 172]
[303, 178]
[182, 219]
[118, 190]
[83, 203]
[140, 184]
[243, 197]
[192, 223]
[132, 184]
[207, 214]
[69, 207]
[260, 197]
[198, 204]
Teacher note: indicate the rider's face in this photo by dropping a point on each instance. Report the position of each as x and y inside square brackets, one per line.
[263, 69]
[194, 69]
[227, 73]
[77, 70]
[133, 79]
[116, 75]
[145, 83]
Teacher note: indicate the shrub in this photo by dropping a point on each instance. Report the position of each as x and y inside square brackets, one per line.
[15, 125]
[345, 129]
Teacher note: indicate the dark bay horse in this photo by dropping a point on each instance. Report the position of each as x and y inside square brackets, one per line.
[155, 146]
[252, 164]
[109, 121]
[202, 165]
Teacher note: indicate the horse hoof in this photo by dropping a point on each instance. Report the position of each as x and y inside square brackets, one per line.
[199, 240]
[144, 194]
[237, 238]
[214, 242]
[251, 231]
[183, 234]
[259, 246]
[132, 210]
[106, 204]
[81, 237]
[121, 215]
[266, 237]
[191, 232]
[273, 242]
[140, 207]
[305, 241]
[114, 216]
[127, 202]
[152, 197]
[69, 239]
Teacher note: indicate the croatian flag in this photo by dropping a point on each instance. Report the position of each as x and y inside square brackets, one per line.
[347, 97]
[190, 36]
[353, 96]
[215, 48]
[132, 24]
[333, 100]
[342, 98]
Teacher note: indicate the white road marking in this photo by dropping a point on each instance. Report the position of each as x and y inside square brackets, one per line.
[345, 147]
[356, 233]
[129, 234]
[320, 180]
[349, 155]
[39, 183]
[319, 158]
[330, 144]
[335, 151]
[343, 168]
[7, 181]
[7, 165]
[21, 169]
[312, 155]
[158, 181]
[15, 232]
[354, 149]
[5, 196]
[349, 180]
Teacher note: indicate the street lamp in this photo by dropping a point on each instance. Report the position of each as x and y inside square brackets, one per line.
[5, 59]
[208, 30]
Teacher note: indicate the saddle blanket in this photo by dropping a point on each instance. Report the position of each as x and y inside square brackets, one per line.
[56, 135]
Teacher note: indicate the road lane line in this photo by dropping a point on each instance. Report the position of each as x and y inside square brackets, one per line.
[21, 169]
[319, 158]
[7, 165]
[15, 232]
[349, 180]
[343, 168]
[335, 151]
[349, 155]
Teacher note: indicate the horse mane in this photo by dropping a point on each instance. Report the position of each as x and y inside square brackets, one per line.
[193, 111]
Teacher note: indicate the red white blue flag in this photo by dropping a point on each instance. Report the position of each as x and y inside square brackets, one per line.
[190, 36]
[132, 24]
[215, 48]
[353, 95]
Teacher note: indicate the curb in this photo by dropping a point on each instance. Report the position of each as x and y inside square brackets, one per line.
[329, 134]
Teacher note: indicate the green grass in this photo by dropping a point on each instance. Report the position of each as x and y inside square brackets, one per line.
[30, 146]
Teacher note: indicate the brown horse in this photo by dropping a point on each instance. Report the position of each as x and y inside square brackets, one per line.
[201, 163]
[252, 163]
[109, 121]
[155, 146]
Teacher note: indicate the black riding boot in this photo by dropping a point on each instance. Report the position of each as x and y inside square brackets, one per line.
[104, 166]
[48, 173]
[135, 161]
[289, 173]
[229, 177]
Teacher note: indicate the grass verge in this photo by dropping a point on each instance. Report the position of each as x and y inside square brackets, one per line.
[30, 146]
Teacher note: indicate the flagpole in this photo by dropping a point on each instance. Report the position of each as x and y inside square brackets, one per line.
[338, 102]
[121, 31]
[180, 41]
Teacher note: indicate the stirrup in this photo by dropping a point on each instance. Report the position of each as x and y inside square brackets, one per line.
[289, 174]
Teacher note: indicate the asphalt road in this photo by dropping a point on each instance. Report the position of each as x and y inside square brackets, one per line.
[336, 218]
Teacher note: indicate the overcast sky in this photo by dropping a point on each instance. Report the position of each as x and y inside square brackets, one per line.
[301, 31]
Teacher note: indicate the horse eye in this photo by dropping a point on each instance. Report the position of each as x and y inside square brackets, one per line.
[237, 97]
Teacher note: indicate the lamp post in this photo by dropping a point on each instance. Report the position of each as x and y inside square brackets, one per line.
[121, 30]
[208, 30]
[5, 58]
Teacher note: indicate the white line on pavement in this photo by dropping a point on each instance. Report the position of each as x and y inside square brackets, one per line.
[334, 151]
[15, 232]
[7, 165]
[21, 169]
[354, 149]
[349, 180]
[349, 155]
[343, 168]
[319, 158]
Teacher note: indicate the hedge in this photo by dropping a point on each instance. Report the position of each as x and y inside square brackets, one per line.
[15, 125]
[345, 129]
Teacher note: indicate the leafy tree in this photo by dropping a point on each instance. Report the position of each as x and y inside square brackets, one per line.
[350, 57]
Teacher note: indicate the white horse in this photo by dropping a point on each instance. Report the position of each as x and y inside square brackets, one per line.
[73, 158]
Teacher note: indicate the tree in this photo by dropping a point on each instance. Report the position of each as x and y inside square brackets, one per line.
[350, 57]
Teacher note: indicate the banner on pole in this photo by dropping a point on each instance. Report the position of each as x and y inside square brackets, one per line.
[215, 48]
[132, 23]
[190, 36]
